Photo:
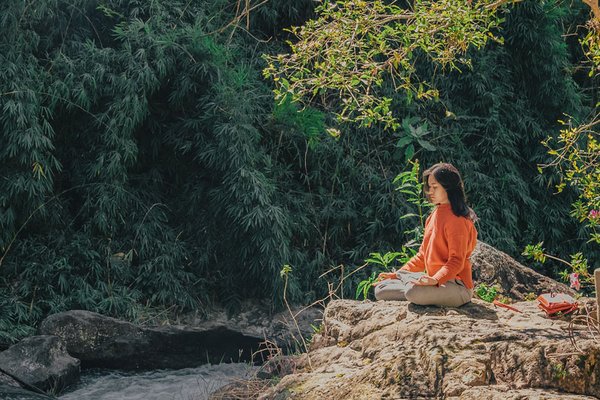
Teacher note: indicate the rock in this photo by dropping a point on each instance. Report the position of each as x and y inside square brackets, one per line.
[397, 350]
[6, 380]
[243, 389]
[42, 362]
[97, 340]
[277, 367]
[499, 392]
[491, 266]
[16, 393]
[257, 321]
[100, 341]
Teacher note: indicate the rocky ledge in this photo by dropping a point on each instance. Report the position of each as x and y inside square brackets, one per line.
[397, 350]
[38, 363]
[105, 342]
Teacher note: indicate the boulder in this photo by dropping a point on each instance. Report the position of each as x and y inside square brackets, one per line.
[397, 350]
[6, 380]
[42, 362]
[256, 320]
[8, 392]
[94, 338]
[492, 266]
[100, 341]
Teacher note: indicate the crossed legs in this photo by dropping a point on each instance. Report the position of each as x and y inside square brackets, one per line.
[452, 294]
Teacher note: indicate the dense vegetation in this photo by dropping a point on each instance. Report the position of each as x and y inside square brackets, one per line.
[145, 165]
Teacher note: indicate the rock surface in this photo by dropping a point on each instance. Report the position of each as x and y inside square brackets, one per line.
[6, 380]
[243, 389]
[256, 321]
[42, 362]
[15, 393]
[491, 266]
[396, 350]
[100, 341]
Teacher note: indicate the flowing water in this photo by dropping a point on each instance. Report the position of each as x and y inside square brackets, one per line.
[182, 384]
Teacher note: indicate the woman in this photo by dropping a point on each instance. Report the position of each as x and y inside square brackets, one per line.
[440, 273]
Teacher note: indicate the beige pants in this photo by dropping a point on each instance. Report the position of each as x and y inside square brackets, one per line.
[452, 294]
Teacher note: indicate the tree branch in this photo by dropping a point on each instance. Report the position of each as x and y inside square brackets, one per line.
[593, 4]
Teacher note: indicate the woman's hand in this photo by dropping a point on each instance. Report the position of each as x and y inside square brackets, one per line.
[385, 275]
[426, 281]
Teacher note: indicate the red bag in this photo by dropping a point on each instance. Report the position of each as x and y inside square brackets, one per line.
[554, 303]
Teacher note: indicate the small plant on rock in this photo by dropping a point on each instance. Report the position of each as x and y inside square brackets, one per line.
[559, 371]
[530, 296]
[487, 293]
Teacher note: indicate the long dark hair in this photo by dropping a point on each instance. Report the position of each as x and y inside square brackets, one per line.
[448, 176]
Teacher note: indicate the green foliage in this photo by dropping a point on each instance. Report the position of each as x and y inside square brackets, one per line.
[486, 293]
[489, 120]
[365, 285]
[559, 371]
[353, 45]
[308, 121]
[576, 152]
[285, 271]
[535, 251]
[579, 267]
[496, 126]
[530, 296]
[143, 99]
[383, 260]
[145, 169]
[412, 136]
[410, 184]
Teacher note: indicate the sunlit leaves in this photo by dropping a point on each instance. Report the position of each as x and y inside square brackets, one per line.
[353, 45]
[576, 154]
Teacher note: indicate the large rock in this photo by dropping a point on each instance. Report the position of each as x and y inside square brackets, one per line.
[491, 266]
[284, 329]
[100, 341]
[93, 338]
[42, 362]
[396, 350]
[8, 392]
[6, 380]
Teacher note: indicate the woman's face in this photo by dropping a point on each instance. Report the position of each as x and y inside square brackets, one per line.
[437, 194]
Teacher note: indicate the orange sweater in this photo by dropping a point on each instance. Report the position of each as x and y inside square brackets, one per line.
[447, 245]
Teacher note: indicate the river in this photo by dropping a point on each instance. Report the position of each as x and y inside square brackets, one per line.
[182, 384]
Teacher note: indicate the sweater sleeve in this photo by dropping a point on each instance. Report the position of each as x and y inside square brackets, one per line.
[457, 237]
[417, 262]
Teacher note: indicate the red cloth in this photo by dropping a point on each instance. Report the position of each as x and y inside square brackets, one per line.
[447, 245]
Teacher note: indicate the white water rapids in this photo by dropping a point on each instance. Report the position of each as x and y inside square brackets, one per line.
[182, 384]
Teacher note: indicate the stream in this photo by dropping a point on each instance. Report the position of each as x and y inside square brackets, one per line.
[182, 384]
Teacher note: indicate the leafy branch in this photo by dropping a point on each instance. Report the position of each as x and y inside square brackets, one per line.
[353, 45]
[578, 265]
[576, 153]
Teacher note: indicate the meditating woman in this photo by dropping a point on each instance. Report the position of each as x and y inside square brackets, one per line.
[440, 273]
